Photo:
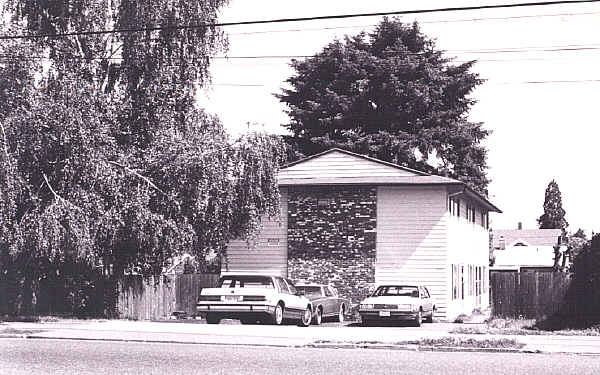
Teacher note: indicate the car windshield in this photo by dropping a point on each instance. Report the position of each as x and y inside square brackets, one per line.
[397, 290]
[310, 290]
[246, 282]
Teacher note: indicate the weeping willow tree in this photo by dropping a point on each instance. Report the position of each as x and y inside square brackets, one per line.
[106, 158]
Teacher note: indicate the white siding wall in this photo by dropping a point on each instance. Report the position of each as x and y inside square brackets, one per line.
[411, 239]
[269, 256]
[468, 244]
[339, 164]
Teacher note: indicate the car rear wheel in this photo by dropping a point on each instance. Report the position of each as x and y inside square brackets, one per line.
[212, 319]
[340, 317]
[419, 318]
[318, 318]
[278, 315]
[306, 317]
[429, 318]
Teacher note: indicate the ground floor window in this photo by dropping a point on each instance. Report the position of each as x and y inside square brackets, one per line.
[469, 280]
[458, 281]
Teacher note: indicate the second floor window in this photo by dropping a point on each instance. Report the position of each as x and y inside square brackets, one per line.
[454, 206]
[471, 213]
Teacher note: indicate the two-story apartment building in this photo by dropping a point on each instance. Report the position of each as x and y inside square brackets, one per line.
[356, 222]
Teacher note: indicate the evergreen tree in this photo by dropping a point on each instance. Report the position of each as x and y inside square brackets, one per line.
[554, 214]
[390, 94]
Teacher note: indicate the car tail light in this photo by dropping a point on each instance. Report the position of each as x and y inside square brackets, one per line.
[209, 298]
[254, 298]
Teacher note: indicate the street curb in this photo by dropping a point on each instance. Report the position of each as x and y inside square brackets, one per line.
[408, 347]
[37, 337]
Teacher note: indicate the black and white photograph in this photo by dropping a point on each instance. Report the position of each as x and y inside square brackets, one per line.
[299, 187]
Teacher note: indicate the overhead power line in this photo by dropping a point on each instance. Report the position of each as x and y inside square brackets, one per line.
[420, 22]
[301, 19]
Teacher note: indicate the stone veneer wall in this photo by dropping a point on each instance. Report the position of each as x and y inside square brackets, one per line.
[331, 237]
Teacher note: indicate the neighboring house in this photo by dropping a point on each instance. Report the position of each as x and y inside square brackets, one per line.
[525, 249]
[357, 222]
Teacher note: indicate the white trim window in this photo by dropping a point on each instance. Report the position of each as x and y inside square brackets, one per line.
[454, 206]
[471, 213]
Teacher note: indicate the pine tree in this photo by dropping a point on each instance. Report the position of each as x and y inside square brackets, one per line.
[554, 214]
[390, 94]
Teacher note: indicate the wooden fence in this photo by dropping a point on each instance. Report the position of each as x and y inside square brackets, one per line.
[158, 297]
[533, 295]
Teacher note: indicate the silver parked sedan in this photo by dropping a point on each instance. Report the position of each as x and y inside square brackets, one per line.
[398, 302]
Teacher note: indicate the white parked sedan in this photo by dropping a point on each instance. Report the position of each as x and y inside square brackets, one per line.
[398, 302]
[254, 298]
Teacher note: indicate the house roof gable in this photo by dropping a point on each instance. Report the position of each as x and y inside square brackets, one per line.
[341, 163]
[530, 237]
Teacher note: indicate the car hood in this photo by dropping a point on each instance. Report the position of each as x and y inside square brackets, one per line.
[401, 300]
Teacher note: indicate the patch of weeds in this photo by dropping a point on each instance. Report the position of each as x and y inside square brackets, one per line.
[508, 323]
[13, 331]
[461, 342]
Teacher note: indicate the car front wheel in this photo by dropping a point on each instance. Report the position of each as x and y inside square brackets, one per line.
[340, 317]
[306, 317]
[318, 317]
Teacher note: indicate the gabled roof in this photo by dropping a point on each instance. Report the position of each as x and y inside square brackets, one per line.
[341, 167]
[352, 154]
[529, 237]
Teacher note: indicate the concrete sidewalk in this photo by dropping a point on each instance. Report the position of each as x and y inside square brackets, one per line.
[194, 332]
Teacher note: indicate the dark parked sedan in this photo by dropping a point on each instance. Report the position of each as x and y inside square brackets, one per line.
[326, 302]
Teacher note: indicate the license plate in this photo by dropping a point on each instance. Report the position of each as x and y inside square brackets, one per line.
[384, 313]
[232, 298]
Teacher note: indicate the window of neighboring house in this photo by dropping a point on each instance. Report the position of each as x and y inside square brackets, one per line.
[462, 282]
[458, 288]
[484, 279]
[471, 280]
[485, 220]
[471, 213]
[454, 206]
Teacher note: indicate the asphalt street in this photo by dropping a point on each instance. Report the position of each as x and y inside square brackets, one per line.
[31, 356]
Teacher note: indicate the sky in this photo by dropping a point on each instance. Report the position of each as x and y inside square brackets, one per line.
[540, 98]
